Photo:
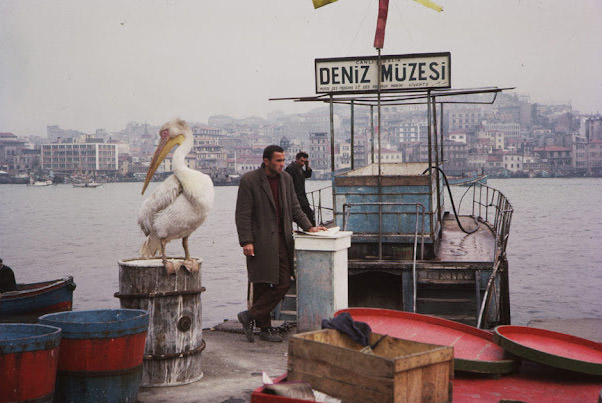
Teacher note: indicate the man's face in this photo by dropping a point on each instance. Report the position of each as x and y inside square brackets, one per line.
[301, 161]
[276, 164]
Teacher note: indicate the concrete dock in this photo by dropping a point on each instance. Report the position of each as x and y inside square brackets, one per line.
[233, 367]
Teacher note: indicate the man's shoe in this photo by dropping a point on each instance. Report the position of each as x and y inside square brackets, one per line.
[247, 325]
[267, 334]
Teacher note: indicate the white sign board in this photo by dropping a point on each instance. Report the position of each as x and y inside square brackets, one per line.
[398, 73]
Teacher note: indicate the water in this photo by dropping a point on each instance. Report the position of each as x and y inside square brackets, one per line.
[554, 249]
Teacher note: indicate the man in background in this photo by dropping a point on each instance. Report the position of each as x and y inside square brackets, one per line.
[299, 170]
[7, 278]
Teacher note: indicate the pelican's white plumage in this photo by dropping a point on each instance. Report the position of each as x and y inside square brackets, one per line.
[181, 203]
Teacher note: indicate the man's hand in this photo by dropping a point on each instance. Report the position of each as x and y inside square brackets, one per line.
[306, 163]
[317, 229]
[248, 250]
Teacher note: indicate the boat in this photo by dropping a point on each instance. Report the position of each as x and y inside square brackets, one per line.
[531, 383]
[474, 349]
[39, 183]
[410, 252]
[32, 300]
[551, 348]
[87, 185]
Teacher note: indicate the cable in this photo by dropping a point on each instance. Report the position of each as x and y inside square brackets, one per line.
[451, 198]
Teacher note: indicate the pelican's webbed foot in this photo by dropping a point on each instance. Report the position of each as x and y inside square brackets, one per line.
[192, 265]
[171, 267]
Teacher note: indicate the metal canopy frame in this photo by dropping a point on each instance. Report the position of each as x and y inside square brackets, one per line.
[430, 97]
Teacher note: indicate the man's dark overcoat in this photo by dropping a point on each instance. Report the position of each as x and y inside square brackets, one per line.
[299, 174]
[256, 222]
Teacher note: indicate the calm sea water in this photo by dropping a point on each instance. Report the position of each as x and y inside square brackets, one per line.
[554, 251]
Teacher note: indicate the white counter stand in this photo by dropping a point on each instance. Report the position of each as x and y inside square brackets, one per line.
[321, 263]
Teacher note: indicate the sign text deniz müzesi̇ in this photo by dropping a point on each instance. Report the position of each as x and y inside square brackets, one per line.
[398, 72]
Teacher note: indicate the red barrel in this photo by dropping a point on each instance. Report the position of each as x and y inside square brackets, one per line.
[28, 361]
[101, 354]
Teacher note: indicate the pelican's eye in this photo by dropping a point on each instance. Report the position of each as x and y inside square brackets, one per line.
[164, 133]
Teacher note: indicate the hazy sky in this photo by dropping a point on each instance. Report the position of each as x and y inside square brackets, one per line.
[99, 64]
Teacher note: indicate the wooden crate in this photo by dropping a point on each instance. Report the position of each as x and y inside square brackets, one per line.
[398, 371]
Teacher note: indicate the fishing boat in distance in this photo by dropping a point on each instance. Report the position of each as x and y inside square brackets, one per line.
[468, 180]
[41, 182]
[32, 300]
[91, 184]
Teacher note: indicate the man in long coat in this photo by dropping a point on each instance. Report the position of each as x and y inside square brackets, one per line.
[265, 209]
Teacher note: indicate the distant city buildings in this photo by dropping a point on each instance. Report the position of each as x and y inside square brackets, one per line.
[512, 137]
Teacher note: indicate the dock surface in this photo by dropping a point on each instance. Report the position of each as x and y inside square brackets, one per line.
[233, 367]
[458, 246]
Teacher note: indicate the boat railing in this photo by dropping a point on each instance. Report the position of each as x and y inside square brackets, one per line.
[492, 207]
[419, 212]
[320, 201]
[489, 205]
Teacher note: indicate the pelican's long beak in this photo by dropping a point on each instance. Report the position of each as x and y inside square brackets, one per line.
[164, 147]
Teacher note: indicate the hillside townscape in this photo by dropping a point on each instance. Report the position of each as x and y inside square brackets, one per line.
[512, 137]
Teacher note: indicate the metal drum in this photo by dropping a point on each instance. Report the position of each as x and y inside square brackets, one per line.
[29, 356]
[100, 356]
[172, 355]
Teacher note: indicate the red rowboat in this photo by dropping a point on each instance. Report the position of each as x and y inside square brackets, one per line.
[555, 349]
[474, 349]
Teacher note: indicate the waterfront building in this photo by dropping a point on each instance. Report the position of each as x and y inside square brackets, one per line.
[88, 158]
[319, 149]
[11, 147]
[513, 162]
[558, 158]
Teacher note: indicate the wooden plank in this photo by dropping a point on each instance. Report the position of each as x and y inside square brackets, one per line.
[347, 392]
[343, 357]
[331, 371]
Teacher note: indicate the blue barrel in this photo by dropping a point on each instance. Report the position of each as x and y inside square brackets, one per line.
[101, 354]
[28, 360]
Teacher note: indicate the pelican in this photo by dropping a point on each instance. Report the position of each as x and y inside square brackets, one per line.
[180, 204]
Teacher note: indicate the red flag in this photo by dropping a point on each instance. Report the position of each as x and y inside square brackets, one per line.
[379, 37]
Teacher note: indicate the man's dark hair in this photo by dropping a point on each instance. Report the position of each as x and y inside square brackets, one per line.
[270, 150]
[301, 154]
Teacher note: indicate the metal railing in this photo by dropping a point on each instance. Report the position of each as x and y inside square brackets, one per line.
[490, 205]
[420, 211]
[317, 199]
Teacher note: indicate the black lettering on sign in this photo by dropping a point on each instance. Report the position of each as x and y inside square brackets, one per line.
[324, 75]
[403, 73]
[421, 71]
[365, 68]
[412, 72]
[386, 73]
[433, 68]
[335, 75]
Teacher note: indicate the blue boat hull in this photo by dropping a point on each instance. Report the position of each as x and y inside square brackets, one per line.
[35, 299]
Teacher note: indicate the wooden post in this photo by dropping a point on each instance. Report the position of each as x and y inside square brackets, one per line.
[172, 354]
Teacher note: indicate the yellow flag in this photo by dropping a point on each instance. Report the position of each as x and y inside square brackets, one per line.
[320, 3]
[426, 3]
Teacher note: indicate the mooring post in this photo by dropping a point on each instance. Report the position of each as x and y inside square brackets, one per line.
[321, 262]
